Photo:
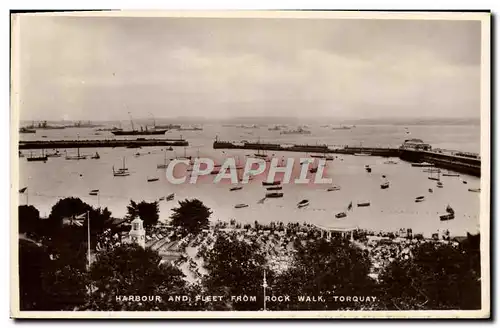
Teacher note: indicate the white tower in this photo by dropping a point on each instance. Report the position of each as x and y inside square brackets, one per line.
[137, 234]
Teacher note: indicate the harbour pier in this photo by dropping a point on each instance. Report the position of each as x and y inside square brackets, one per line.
[139, 142]
[455, 161]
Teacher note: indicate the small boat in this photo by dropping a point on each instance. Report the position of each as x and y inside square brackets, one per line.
[368, 169]
[123, 172]
[450, 210]
[451, 174]
[170, 197]
[94, 192]
[137, 154]
[419, 199]
[164, 165]
[274, 194]
[325, 157]
[340, 215]
[475, 189]
[133, 146]
[363, 154]
[236, 188]
[363, 204]
[240, 205]
[153, 179]
[446, 217]
[430, 190]
[96, 156]
[384, 185]
[439, 184]
[303, 203]
[274, 183]
[432, 170]
[464, 181]
[390, 162]
[424, 164]
[42, 158]
[77, 157]
[26, 130]
[54, 154]
[274, 188]
[383, 176]
[161, 198]
[170, 148]
[334, 188]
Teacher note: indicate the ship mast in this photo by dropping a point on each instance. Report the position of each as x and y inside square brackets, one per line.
[131, 121]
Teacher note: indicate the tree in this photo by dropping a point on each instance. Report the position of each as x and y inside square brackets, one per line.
[191, 215]
[438, 277]
[148, 212]
[325, 268]
[132, 270]
[33, 261]
[29, 218]
[235, 268]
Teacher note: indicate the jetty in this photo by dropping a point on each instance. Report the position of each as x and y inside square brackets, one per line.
[138, 142]
[456, 161]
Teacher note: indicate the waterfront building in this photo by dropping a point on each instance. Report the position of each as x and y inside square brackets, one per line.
[416, 144]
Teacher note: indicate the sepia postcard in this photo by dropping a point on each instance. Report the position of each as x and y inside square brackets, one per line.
[241, 164]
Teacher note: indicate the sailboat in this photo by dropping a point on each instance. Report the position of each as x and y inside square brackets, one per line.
[77, 157]
[96, 156]
[164, 165]
[432, 177]
[42, 158]
[123, 172]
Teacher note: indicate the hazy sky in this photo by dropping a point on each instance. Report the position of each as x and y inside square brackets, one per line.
[103, 67]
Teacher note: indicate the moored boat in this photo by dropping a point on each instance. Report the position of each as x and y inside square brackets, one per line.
[340, 215]
[430, 190]
[273, 183]
[153, 179]
[334, 188]
[96, 156]
[419, 199]
[274, 194]
[122, 172]
[240, 205]
[423, 164]
[363, 153]
[170, 197]
[384, 185]
[42, 158]
[475, 189]
[303, 203]
[235, 188]
[274, 188]
[363, 204]
[446, 217]
[439, 184]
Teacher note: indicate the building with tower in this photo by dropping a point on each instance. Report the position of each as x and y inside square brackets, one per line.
[137, 234]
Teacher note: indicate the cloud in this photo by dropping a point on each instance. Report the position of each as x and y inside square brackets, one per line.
[90, 68]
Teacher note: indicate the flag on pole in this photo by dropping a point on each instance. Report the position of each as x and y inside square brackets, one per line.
[22, 190]
[76, 220]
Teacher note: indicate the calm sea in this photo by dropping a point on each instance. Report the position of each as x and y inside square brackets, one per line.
[389, 209]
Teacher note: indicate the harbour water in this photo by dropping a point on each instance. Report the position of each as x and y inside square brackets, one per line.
[389, 210]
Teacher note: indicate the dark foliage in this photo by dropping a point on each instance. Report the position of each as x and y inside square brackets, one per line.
[191, 216]
[147, 212]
